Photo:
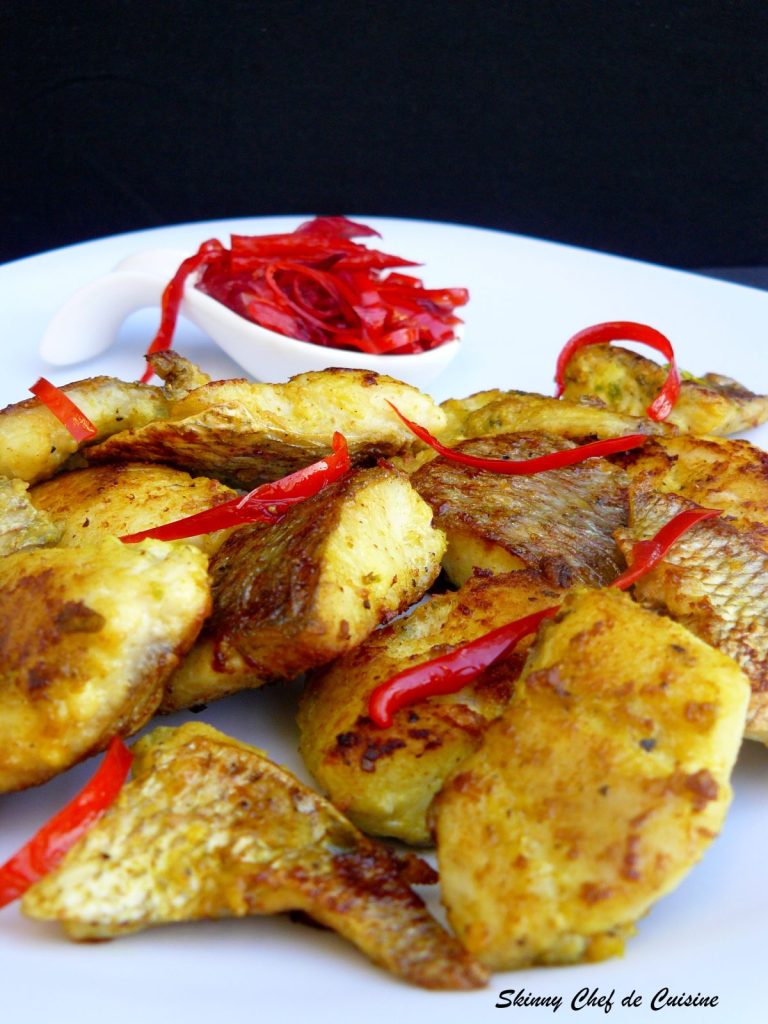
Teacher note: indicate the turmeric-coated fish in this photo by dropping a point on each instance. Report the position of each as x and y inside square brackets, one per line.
[126, 497]
[89, 636]
[22, 525]
[717, 472]
[292, 595]
[628, 382]
[501, 412]
[384, 779]
[595, 792]
[559, 522]
[714, 580]
[34, 444]
[210, 828]
[246, 433]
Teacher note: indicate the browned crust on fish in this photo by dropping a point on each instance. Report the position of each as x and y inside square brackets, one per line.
[89, 637]
[714, 580]
[594, 793]
[560, 522]
[247, 433]
[209, 828]
[384, 779]
[292, 595]
[727, 474]
[125, 498]
[628, 383]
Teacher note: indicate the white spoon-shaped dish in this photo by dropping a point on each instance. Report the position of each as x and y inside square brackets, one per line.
[88, 323]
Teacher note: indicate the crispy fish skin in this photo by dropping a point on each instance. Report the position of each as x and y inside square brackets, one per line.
[293, 595]
[33, 443]
[89, 637]
[384, 779]
[247, 433]
[716, 472]
[560, 523]
[507, 412]
[209, 828]
[628, 383]
[123, 498]
[714, 581]
[595, 792]
[21, 524]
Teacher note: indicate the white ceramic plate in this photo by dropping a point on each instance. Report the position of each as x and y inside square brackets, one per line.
[527, 298]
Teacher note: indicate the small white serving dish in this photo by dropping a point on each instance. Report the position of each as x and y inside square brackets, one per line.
[88, 323]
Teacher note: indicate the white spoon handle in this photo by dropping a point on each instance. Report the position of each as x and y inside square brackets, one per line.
[88, 322]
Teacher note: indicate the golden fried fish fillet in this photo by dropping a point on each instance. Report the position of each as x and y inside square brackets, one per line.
[89, 637]
[247, 433]
[123, 498]
[21, 524]
[628, 383]
[295, 594]
[506, 412]
[595, 792]
[209, 828]
[457, 410]
[714, 581]
[33, 443]
[384, 779]
[560, 522]
[712, 471]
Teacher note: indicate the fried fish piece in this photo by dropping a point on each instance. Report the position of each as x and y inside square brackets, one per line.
[247, 433]
[203, 677]
[89, 637]
[21, 524]
[34, 444]
[457, 410]
[210, 828]
[123, 498]
[595, 792]
[507, 412]
[487, 413]
[384, 779]
[628, 383]
[560, 522]
[295, 594]
[715, 472]
[179, 375]
[714, 581]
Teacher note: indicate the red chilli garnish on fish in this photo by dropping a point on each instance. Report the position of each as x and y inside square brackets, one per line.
[266, 504]
[626, 330]
[46, 848]
[526, 467]
[64, 409]
[453, 671]
[173, 295]
[646, 554]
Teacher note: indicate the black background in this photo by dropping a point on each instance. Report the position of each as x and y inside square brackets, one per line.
[633, 127]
